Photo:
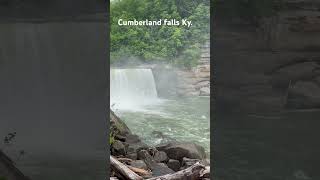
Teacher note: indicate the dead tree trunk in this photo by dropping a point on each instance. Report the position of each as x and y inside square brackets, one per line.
[123, 169]
[193, 172]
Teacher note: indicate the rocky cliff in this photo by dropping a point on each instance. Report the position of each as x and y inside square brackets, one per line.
[269, 66]
[197, 81]
[185, 82]
[51, 66]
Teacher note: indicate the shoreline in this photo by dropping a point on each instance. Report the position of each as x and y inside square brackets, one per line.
[159, 160]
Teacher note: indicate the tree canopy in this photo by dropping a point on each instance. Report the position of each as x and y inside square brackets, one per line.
[177, 45]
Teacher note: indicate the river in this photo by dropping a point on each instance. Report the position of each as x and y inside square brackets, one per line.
[183, 119]
[134, 99]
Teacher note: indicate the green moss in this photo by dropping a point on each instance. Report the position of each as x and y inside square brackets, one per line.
[111, 140]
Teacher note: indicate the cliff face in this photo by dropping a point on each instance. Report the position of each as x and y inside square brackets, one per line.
[53, 81]
[53, 75]
[272, 66]
[182, 82]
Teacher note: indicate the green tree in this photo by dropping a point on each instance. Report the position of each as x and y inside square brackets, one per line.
[168, 44]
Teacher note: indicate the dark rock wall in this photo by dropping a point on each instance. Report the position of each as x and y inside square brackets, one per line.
[272, 66]
[53, 85]
[185, 82]
[262, 68]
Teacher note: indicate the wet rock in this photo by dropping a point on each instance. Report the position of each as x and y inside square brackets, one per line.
[120, 137]
[187, 162]
[136, 147]
[174, 164]
[202, 84]
[176, 150]
[184, 93]
[156, 168]
[144, 154]
[132, 138]
[162, 164]
[161, 169]
[205, 91]
[132, 156]
[160, 156]
[117, 126]
[203, 74]
[139, 164]
[118, 148]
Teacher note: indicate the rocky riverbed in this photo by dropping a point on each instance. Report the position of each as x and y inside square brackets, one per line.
[160, 159]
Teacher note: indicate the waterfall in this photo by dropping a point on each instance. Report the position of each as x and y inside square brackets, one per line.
[131, 89]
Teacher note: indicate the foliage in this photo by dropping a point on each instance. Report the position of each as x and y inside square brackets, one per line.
[189, 56]
[3, 178]
[111, 139]
[168, 44]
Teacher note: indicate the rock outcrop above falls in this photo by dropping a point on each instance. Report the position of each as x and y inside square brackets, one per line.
[269, 66]
[196, 82]
[185, 82]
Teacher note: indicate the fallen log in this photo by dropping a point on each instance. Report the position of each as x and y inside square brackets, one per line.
[205, 173]
[192, 172]
[139, 171]
[124, 160]
[123, 169]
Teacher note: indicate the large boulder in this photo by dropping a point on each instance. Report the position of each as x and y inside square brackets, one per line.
[118, 148]
[158, 169]
[179, 150]
[160, 156]
[174, 164]
[117, 126]
[139, 164]
[136, 147]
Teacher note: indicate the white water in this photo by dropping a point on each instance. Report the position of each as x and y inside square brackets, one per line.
[132, 89]
[134, 98]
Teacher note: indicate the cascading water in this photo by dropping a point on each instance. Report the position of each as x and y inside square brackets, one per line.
[131, 89]
[133, 96]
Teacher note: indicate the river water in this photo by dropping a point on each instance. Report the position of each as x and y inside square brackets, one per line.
[184, 119]
[134, 98]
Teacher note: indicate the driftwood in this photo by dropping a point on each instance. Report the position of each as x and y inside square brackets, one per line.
[205, 173]
[195, 171]
[192, 172]
[123, 169]
[125, 160]
[139, 171]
